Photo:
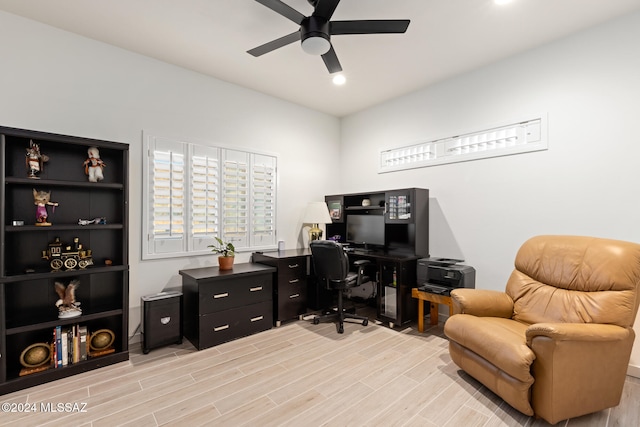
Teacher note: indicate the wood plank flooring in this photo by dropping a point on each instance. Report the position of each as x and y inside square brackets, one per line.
[299, 374]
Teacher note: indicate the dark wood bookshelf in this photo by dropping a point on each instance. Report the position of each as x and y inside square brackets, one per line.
[27, 296]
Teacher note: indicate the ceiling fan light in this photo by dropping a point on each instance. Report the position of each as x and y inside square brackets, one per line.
[316, 45]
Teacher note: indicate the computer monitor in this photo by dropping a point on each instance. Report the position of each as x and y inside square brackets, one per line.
[365, 229]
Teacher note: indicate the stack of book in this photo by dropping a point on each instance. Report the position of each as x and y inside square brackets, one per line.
[70, 345]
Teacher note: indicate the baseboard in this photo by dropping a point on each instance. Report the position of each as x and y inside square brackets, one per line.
[633, 371]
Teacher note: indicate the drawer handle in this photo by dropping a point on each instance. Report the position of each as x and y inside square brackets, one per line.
[220, 328]
[257, 288]
[294, 296]
[255, 319]
[293, 265]
[294, 281]
[226, 294]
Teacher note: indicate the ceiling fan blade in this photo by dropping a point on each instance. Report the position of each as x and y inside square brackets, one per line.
[275, 44]
[331, 61]
[369, 26]
[325, 8]
[283, 9]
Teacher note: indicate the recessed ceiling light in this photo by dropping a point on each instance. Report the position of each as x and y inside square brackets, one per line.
[339, 79]
[502, 2]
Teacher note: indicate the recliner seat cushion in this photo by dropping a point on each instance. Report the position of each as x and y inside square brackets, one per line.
[502, 341]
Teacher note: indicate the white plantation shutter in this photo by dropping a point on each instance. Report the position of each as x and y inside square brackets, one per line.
[235, 198]
[195, 193]
[167, 194]
[205, 196]
[263, 199]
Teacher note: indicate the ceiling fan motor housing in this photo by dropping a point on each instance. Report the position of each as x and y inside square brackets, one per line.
[314, 34]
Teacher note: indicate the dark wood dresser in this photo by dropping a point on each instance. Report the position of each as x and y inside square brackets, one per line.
[221, 306]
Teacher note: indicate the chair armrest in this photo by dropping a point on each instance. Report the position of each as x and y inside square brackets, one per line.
[482, 303]
[577, 332]
[360, 267]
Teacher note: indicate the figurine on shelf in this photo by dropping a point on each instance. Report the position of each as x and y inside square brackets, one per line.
[68, 256]
[35, 160]
[99, 220]
[93, 165]
[67, 305]
[41, 199]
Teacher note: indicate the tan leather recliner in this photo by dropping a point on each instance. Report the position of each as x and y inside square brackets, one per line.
[556, 344]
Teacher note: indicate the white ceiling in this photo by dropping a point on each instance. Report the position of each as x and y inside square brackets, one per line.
[445, 38]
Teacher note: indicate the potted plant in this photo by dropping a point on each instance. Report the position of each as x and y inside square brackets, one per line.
[227, 253]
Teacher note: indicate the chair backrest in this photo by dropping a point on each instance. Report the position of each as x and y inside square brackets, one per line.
[330, 261]
[575, 279]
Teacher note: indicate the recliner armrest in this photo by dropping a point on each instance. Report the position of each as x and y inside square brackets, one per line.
[482, 303]
[577, 332]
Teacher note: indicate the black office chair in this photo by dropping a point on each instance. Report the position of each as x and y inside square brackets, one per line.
[331, 265]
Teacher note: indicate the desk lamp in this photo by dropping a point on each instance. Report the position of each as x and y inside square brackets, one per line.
[316, 213]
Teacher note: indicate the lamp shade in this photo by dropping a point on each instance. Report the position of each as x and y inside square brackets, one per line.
[317, 213]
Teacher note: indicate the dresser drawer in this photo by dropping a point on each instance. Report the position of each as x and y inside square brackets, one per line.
[230, 324]
[234, 292]
[292, 269]
[292, 301]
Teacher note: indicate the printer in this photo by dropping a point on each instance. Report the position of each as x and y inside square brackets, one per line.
[442, 275]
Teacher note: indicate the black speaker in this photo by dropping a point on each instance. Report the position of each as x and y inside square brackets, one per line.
[161, 320]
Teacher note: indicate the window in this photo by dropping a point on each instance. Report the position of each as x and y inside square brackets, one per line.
[521, 137]
[194, 193]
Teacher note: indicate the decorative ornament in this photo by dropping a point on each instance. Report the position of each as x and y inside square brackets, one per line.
[35, 355]
[42, 199]
[35, 160]
[99, 220]
[101, 340]
[68, 256]
[67, 305]
[93, 165]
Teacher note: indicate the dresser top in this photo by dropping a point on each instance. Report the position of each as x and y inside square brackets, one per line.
[288, 253]
[238, 269]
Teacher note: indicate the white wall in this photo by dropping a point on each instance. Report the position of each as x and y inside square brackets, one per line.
[587, 183]
[54, 81]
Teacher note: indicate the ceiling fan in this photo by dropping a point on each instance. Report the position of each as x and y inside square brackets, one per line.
[316, 30]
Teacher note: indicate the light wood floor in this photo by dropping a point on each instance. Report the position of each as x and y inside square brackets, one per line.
[299, 374]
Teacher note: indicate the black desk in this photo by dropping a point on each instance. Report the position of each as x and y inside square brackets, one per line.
[396, 276]
[295, 289]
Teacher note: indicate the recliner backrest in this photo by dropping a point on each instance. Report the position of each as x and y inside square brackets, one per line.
[575, 279]
[330, 262]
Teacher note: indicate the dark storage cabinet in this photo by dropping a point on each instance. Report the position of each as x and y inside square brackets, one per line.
[161, 320]
[27, 297]
[222, 305]
[290, 282]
